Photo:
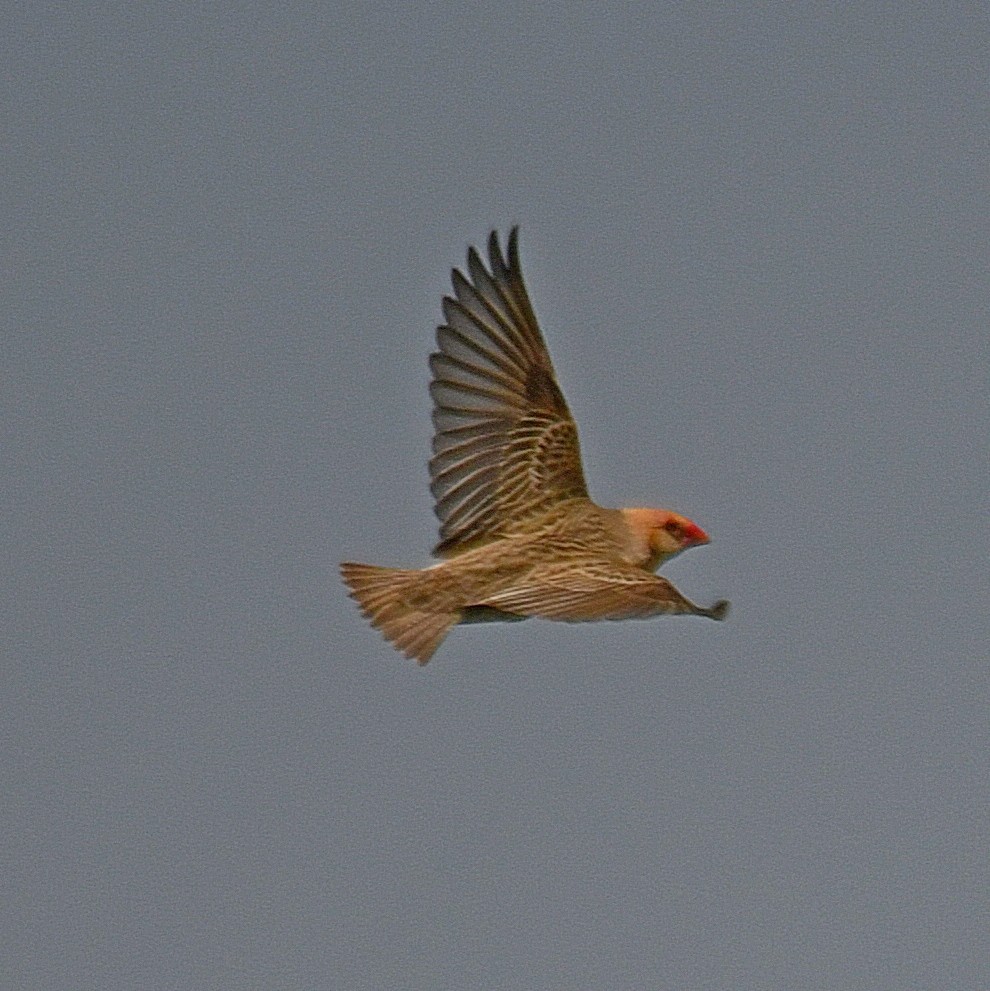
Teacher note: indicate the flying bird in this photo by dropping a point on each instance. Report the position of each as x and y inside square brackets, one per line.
[519, 536]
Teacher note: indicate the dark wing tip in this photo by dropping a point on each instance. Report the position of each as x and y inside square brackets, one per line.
[456, 274]
[720, 610]
[514, 264]
[496, 260]
[510, 260]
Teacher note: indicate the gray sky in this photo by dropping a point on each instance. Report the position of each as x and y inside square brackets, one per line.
[757, 241]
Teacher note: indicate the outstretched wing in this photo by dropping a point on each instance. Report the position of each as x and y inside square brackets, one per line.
[505, 445]
[593, 590]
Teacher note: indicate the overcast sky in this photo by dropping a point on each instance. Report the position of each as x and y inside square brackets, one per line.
[757, 240]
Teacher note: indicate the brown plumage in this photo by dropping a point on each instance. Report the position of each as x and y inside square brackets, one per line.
[519, 536]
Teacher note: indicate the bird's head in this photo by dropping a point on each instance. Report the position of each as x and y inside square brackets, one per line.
[659, 534]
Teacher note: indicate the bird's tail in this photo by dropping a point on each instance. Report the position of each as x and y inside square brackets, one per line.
[382, 594]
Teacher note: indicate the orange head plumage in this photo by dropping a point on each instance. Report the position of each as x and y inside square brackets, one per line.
[656, 535]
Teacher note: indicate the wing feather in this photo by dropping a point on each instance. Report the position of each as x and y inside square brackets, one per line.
[505, 445]
[595, 591]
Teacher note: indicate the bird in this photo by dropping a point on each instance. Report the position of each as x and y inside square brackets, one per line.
[519, 534]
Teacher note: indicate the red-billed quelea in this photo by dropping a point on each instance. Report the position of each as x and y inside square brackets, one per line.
[519, 536]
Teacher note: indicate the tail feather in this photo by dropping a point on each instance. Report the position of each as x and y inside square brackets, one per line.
[381, 596]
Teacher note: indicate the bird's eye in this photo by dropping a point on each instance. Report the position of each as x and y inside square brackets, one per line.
[673, 528]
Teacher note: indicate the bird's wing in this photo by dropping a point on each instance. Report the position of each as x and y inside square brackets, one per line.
[593, 590]
[505, 445]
